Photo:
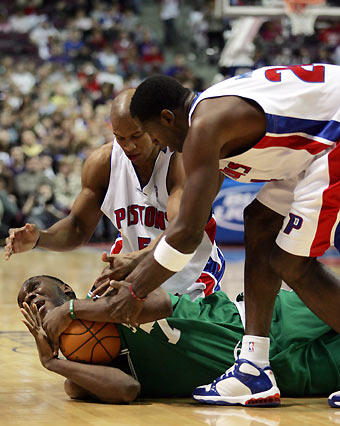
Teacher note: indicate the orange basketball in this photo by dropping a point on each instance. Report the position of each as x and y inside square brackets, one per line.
[90, 342]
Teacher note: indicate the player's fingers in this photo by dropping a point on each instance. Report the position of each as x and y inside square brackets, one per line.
[30, 227]
[115, 284]
[8, 240]
[12, 233]
[99, 280]
[37, 315]
[9, 243]
[107, 292]
[29, 326]
[28, 318]
[104, 256]
[8, 253]
[102, 279]
[108, 257]
[29, 311]
[102, 290]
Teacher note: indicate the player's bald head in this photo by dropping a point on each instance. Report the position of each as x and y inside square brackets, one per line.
[120, 107]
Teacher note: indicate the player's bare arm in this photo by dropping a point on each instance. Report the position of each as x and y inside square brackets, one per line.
[83, 381]
[219, 129]
[156, 306]
[77, 228]
[175, 185]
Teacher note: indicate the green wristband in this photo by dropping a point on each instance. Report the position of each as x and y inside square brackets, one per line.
[71, 307]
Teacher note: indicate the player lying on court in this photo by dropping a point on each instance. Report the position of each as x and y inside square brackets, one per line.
[138, 187]
[180, 343]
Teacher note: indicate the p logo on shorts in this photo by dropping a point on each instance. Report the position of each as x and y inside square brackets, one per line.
[295, 222]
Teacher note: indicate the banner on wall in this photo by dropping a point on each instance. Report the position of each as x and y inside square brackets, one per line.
[228, 210]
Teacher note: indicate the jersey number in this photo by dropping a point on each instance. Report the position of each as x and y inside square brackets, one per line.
[143, 242]
[316, 75]
[235, 171]
[173, 334]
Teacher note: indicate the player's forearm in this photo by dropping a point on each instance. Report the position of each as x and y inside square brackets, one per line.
[108, 384]
[91, 309]
[157, 306]
[62, 236]
[147, 276]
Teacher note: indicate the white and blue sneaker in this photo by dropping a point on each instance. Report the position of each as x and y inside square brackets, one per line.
[334, 399]
[242, 384]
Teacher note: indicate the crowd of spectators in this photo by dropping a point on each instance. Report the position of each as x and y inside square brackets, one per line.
[61, 64]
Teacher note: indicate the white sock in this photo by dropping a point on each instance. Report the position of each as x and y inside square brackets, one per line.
[255, 349]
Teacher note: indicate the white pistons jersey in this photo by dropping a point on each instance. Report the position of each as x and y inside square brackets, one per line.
[299, 155]
[140, 216]
[302, 107]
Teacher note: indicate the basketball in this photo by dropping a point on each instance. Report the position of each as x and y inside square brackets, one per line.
[90, 342]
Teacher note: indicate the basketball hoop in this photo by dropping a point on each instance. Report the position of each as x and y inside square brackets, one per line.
[301, 19]
[298, 6]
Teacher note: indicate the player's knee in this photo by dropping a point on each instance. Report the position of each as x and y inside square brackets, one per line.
[251, 222]
[288, 267]
[261, 224]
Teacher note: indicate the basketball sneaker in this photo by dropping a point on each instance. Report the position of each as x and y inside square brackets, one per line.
[334, 399]
[242, 384]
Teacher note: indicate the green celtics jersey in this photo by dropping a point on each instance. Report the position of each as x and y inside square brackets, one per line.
[196, 344]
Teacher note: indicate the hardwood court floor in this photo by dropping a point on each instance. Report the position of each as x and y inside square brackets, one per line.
[30, 395]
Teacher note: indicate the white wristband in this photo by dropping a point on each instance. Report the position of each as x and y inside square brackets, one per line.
[171, 258]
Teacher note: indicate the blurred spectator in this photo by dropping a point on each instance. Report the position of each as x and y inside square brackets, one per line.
[73, 44]
[46, 162]
[41, 36]
[168, 14]
[67, 183]
[41, 207]
[9, 211]
[29, 180]
[23, 79]
[107, 57]
[17, 160]
[21, 22]
[179, 69]
[29, 143]
[112, 77]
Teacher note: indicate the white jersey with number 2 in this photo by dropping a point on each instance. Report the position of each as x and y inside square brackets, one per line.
[299, 155]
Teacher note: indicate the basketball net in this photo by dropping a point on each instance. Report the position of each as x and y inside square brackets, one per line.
[302, 21]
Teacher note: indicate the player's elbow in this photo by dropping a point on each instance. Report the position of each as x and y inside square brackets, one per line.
[131, 392]
[125, 393]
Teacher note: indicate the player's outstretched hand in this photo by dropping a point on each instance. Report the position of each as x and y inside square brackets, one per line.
[124, 307]
[120, 266]
[21, 239]
[55, 322]
[34, 324]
